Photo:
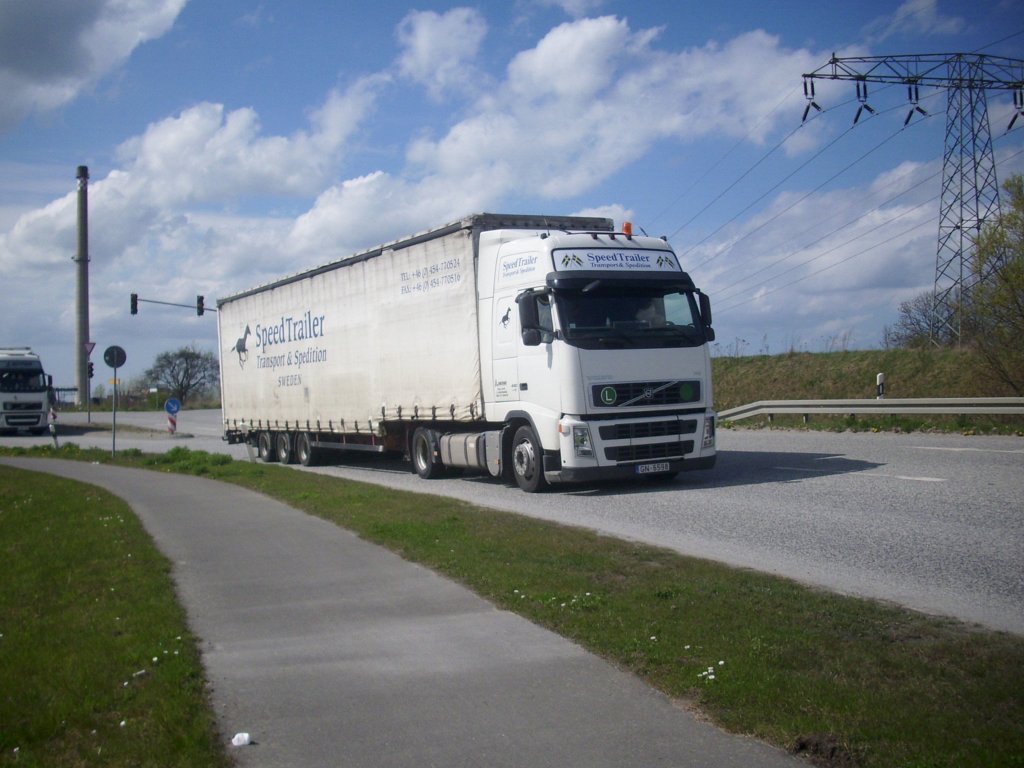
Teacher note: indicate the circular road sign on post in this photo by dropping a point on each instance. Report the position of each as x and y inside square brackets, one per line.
[114, 356]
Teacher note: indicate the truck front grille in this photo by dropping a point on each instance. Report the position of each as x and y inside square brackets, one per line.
[648, 451]
[653, 439]
[636, 430]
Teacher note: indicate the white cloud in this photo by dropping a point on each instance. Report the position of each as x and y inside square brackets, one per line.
[574, 61]
[834, 263]
[607, 95]
[207, 153]
[52, 50]
[568, 113]
[439, 50]
[575, 8]
[914, 17]
[162, 224]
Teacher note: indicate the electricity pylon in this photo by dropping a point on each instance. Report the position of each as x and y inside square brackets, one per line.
[970, 191]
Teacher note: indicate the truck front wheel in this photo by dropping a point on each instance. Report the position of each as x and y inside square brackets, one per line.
[527, 461]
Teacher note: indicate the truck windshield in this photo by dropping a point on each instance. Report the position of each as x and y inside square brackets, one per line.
[21, 379]
[629, 318]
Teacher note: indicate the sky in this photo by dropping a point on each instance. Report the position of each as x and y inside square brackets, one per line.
[233, 142]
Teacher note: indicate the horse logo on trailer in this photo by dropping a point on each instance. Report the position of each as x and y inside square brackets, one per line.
[240, 347]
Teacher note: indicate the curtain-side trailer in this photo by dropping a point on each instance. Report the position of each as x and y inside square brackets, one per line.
[542, 349]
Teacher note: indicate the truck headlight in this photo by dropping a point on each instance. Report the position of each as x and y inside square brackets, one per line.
[709, 432]
[581, 441]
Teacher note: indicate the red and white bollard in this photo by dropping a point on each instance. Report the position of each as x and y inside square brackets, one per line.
[172, 423]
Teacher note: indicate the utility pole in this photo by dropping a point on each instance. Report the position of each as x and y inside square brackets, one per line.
[82, 294]
[970, 191]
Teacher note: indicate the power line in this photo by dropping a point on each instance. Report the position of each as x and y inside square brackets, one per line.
[732, 185]
[801, 199]
[746, 278]
[848, 242]
[747, 172]
[776, 186]
[722, 159]
[970, 193]
[831, 266]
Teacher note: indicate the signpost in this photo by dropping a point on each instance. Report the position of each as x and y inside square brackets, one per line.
[172, 406]
[115, 357]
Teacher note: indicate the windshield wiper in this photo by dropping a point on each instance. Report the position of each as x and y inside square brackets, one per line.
[675, 330]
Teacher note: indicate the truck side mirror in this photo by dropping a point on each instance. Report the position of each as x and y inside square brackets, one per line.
[705, 316]
[529, 318]
[531, 337]
[705, 309]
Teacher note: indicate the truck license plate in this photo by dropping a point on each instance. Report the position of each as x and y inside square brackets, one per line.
[644, 469]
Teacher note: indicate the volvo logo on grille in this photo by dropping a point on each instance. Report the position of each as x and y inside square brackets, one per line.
[648, 393]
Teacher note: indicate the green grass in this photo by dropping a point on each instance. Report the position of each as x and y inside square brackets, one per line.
[97, 667]
[851, 681]
[848, 375]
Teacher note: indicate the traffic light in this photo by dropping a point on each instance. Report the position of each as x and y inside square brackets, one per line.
[90, 370]
[135, 303]
[199, 305]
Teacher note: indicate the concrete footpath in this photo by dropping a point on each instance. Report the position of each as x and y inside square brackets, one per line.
[331, 651]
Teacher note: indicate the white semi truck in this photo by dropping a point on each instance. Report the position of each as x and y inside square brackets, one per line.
[544, 349]
[26, 391]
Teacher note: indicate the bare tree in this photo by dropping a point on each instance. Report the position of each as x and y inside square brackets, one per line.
[913, 329]
[185, 372]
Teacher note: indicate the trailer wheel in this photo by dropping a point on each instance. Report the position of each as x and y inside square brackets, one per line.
[527, 461]
[423, 455]
[283, 446]
[304, 450]
[264, 447]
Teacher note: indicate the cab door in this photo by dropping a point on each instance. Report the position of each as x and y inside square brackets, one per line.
[505, 330]
[539, 383]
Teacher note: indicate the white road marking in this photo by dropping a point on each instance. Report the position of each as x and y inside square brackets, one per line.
[907, 477]
[963, 450]
[865, 474]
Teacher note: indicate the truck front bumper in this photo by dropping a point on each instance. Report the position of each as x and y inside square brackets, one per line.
[558, 474]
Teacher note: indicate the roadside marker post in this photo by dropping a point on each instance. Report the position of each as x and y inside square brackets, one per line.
[172, 406]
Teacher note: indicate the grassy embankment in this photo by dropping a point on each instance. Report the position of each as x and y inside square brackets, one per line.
[834, 375]
[843, 375]
[848, 682]
[97, 667]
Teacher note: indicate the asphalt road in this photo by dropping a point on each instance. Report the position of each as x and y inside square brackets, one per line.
[933, 522]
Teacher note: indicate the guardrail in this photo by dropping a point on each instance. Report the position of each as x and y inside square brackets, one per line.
[937, 405]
